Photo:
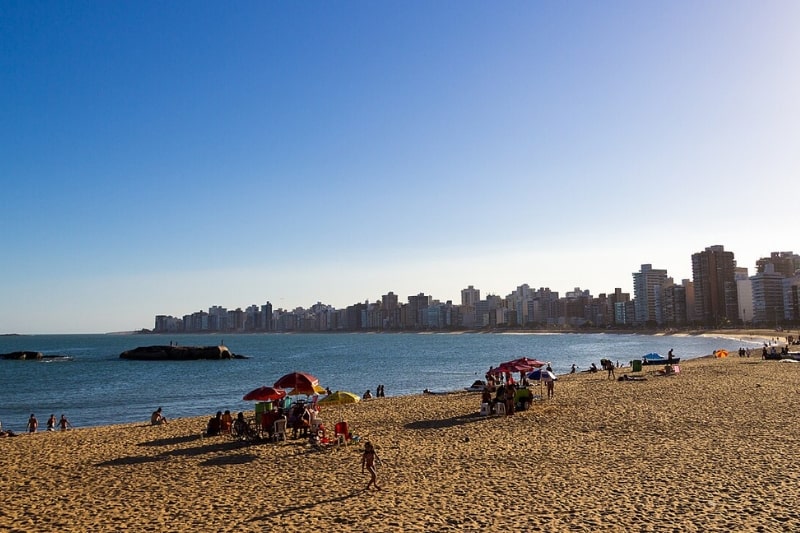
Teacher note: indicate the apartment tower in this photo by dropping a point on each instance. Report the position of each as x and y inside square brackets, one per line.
[714, 277]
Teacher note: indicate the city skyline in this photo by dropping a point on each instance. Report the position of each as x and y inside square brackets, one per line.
[720, 293]
[157, 158]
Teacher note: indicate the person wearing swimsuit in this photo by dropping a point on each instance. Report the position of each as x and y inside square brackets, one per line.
[368, 460]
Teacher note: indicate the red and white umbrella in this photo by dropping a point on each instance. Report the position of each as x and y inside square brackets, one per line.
[264, 394]
[297, 380]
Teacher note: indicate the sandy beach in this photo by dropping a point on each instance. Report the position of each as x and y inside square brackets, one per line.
[711, 449]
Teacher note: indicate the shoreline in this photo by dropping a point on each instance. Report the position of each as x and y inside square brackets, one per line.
[590, 459]
[755, 332]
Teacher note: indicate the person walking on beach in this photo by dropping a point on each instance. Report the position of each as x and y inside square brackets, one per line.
[64, 423]
[51, 423]
[549, 382]
[368, 460]
[32, 425]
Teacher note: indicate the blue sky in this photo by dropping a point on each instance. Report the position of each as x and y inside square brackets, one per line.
[163, 157]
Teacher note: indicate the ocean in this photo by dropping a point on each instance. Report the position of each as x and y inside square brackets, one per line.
[93, 386]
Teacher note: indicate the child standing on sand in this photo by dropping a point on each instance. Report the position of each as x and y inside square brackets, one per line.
[368, 460]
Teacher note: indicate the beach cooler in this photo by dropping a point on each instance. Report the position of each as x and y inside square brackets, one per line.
[262, 408]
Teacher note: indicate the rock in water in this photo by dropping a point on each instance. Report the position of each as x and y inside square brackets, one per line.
[177, 353]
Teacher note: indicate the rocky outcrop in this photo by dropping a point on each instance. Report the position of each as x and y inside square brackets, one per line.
[178, 353]
[22, 355]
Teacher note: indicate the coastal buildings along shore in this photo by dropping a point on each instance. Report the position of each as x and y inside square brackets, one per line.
[719, 295]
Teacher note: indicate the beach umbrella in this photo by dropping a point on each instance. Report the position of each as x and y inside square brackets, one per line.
[295, 380]
[522, 364]
[528, 363]
[540, 374]
[264, 394]
[509, 367]
[340, 397]
[307, 390]
[720, 353]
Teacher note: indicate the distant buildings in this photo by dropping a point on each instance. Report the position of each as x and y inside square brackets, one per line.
[719, 295]
[648, 287]
[714, 274]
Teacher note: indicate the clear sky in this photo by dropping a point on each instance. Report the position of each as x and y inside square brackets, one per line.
[164, 157]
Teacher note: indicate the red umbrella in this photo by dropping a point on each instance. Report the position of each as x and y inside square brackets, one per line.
[523, 364]
[297, 380]
[530, 363]
[265, 394]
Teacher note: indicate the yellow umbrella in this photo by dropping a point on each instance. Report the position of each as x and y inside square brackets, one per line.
[340, 397]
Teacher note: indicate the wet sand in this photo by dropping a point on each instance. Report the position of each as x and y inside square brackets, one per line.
[711, 449]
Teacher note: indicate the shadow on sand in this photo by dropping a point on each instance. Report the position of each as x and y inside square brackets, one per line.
[445, 423]
[297, 508]
[171, 440]
[138, 460]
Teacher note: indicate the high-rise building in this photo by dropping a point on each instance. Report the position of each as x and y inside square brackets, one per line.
[390, 311]
[785, 263]
[470, 296]
[674, 305]
[767, 296]
[688, 290]
[389, 302]
[744, 295]
[647, 294]
[791, 298]
[266, 316]
[617, 302]
[416, 306]
[714, 276]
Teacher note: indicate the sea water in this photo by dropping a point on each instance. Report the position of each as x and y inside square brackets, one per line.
[93, 386]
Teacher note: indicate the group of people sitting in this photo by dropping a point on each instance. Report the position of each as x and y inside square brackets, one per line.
[221, 423]
[508, 395]
[301, 418]
[225, 424]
